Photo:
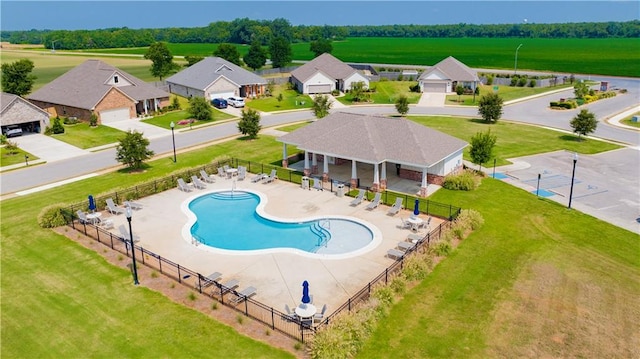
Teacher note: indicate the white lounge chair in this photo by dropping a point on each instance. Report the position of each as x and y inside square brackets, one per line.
[272, 177]
[244, 294]
[356, 201]
[222, 173]
[257, 178]
[195, 181]
[227, 286]
[107, 223]
[183, 186]
[206, 177]
[208, 280]
[394, 253]
[375, 202]
[405, 246]
[82, 217]
[415, 238]
[397, 206]
[242, 173]
[124, 233]
[113, 208]
[317, 184]
[132, 205]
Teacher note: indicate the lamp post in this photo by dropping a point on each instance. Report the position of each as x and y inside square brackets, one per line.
[573, 176]
[133, 251]
[538, 186]
[515, 68]
[173, 137]
[53, 45]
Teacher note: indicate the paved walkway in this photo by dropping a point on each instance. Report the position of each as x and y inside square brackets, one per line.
[149, 131]
[48, 148]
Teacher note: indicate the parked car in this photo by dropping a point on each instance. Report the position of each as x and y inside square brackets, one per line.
[13, 131]
[219, 103]
[236, 101]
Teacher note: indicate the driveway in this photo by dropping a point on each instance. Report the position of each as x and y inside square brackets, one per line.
[432, 99]
[149, 131]
[48, 148]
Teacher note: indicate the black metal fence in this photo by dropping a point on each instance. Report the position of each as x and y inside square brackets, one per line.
[276, 320]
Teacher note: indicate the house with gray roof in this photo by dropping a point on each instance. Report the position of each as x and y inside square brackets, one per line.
[446, 75]
[18, 112]
[324, 74]
[215, 77]
[99, 88]
[415, 151]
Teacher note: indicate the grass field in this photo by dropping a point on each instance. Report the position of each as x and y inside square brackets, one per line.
[291, 100]
[8, 159]
[84, 136]
[507, 93]
[386, 93]
[165, 120]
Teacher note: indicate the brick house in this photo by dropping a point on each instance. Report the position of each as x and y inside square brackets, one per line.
[97, 87]
[18, 112]
[324, 74]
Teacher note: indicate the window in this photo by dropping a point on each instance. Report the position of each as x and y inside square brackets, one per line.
[115, 79]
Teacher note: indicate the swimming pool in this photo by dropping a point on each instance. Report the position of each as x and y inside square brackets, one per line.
[235, 221]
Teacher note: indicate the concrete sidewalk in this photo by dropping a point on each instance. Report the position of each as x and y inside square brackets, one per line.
[149, 131]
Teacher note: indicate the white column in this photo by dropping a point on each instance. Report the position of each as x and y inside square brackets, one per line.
[285, 158]
[424, 178]
[314, 163]
[325, 169]
[306, 163]
[383, 177]
[376, 178]
[354, 174]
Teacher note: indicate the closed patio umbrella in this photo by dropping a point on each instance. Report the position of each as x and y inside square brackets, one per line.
[416, 209]
[92, 204]
[305, 292]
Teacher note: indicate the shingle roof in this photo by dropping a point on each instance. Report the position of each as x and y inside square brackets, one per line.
[203, 73]
[6, 99]
[6, 117]
[86, 84]
[454, 69]
[374, 139]
[326, 63]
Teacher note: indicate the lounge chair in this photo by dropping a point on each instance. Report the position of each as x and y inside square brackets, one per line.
[183, 186]
[208, 280]
[272, 177]
[206, 177]
[257, 178]
[414, 238]
[242, 173]
[113, 208]
[132, 205]
[317, 184]
[397, 206]
[319, 316]
[405, 224]
[82, 217]
[405, 246]
[222, 173]
[124, 233]
[244, 294]
[226, 287]
[375, 202]
[394, 253]
[195, 181]
[356, 201]
[107, 223]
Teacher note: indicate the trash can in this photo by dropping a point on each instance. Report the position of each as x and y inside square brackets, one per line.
[305, 182]
[340, 190]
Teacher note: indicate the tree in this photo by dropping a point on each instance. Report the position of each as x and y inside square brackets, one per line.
[358, 91]
[490, 107]
[584, 123]
[580, 89]
[280, 50]
[162, 60]
[321, 106]
[256, 57]
[192, 60]
[321, 46]
[199, 109]
[482, 147]
[133, 150]
[249, 125]
[229, 53]
[17, 78]
[402, 105]
[459, 91]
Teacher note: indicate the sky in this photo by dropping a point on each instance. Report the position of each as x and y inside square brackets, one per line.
[90, 14]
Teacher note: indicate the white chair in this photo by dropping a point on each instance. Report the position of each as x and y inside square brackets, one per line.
[319, 316]
[242, 173]
[356, 201]
[195, 181]
[317, 184]
[82, 217]
[257, 178]
[272, 177]
[405, 224]
[244, 294]
[183, 186]
[113, 208]
[206, 177]
[375, 202]
[132, 205]
[397, 206]
[222, 173]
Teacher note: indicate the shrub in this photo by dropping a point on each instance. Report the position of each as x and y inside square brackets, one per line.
[335, 92]
[415, 268]
[442, 249]
[3, 139]
[70, 120]
[400, 77]
[514, 82]
[465, 181]
[57, 127]
[415, 88]
[384, 294]
[399, 285]
[522, 82]
[471, 217]
[51, 216]
[93, 120]
[532, 83]
[490, 80]
[48, 131]
[11, 147]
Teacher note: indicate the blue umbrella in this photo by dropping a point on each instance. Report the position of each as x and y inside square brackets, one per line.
[416, 210]
[305, 292]
[92, 204]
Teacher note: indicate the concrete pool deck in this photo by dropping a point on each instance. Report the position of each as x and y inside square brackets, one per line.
[277, 276]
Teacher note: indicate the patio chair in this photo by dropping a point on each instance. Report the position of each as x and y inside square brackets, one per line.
[397, 206]
[319, 316]
[207, 177]
[258, 177]
[394, 253]
[290, 315]
[415, 238]
[222, 173]
[226, 287]
[124, 233]
[132, 205]
[195, 181]
[405, 224]
[425, 224]
[208, 280]
[107, 223]
[272, 177]
[375, 202]
[405, 246]
[82, 217]
[356, 201]
[317, 184]
[244, 294]
[113, 208]
[183, 186]
[242, 173]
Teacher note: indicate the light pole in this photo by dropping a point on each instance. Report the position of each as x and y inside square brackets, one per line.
[53, 45]
[173, 137]
[515, 68]
[133, 251]
[538, 186]
[573, 176]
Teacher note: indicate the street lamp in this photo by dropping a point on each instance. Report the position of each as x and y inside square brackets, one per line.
[573, 176]
[133, 251]
[173, 137]
[538, 186]
[53, 45]
[515, 68]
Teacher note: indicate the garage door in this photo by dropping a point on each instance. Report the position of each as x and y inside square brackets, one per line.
[319, 88]
[113, 115]
[435, 87]
[224, 95]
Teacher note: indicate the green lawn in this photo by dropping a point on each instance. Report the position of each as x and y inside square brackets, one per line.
[627, 121]
[51, 282]
[386, 92]
[84, 136]
[514, 140]
[537, 280]
[507, 93]
[8, 159]
[291, 100]
[165, 120]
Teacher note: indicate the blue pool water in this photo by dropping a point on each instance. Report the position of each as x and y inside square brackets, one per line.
[229, 221]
